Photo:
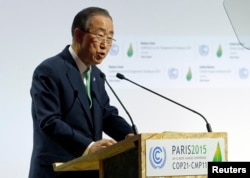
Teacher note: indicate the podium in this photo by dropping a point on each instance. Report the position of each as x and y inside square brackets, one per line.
[132, 157]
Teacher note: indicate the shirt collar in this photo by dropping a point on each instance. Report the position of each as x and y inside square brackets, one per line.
[81, 66]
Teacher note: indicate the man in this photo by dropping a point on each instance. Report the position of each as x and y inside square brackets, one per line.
[67, 122]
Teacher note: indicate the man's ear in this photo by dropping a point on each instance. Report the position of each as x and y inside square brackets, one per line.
[78, 34]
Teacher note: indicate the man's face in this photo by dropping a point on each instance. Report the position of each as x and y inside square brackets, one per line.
[96, 42]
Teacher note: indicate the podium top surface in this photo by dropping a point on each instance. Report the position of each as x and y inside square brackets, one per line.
[91, 161]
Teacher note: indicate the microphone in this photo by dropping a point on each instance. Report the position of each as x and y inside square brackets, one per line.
[131, 120]
[209, 128]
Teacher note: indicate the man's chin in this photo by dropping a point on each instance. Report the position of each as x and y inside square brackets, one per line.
[98, 61]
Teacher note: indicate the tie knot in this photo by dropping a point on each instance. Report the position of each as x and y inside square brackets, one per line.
[87, 73]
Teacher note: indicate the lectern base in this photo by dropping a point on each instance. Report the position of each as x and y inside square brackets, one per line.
[114, 167]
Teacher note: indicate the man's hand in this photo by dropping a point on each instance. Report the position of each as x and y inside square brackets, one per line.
[130, 135]
[101, 144]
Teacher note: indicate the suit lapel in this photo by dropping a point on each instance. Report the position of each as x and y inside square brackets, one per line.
[77, 84]
[97, 104]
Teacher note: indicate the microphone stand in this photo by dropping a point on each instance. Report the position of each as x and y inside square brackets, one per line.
[209, 128]
[132, 122]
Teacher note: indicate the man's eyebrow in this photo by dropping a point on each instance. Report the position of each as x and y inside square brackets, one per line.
[104, 30]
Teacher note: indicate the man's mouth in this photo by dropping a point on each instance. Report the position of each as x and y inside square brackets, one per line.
[100, 55]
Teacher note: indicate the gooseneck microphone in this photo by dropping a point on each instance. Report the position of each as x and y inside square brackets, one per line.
[131, 120]
[209, 128]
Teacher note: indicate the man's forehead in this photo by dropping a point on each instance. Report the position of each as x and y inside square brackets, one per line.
[101, 23]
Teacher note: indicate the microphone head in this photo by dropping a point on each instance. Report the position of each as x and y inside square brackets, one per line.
[102, 75]
[120, 76]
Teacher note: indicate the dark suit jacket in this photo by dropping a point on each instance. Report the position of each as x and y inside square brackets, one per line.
[63, 123]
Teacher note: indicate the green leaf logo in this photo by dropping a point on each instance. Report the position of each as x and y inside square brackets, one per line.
[130, 51]
[217, 154]
[189, 74]
[219, 51]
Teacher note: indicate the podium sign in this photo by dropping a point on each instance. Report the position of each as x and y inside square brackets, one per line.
[174, 157]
